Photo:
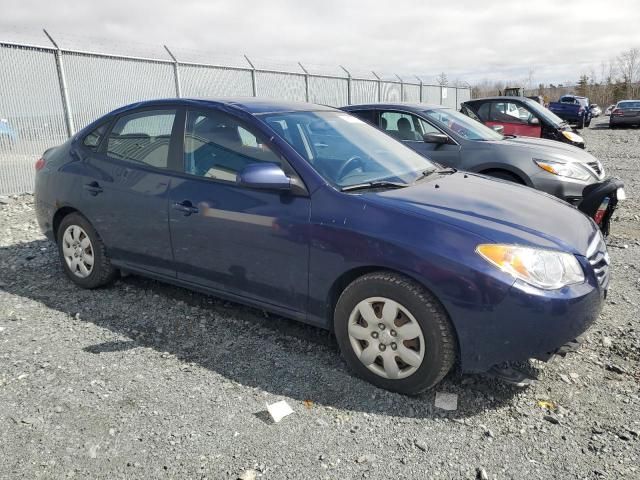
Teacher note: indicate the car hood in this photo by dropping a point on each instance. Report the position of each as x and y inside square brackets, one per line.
[547, 149]
[500, 211]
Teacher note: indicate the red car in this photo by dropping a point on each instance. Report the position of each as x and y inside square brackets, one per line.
[522, 117]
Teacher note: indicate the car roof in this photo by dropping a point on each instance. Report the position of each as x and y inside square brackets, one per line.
[414, 107]
[250, 105]
[498, 97]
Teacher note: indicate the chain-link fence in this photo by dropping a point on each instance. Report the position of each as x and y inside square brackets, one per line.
[47, 93]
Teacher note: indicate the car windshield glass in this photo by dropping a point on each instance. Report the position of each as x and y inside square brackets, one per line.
[627, 105]
[347, 151]
[462, 125]
[544, 113]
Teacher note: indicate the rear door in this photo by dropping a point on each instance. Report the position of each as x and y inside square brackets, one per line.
[515, 118]
[246, 242]
[125, 194]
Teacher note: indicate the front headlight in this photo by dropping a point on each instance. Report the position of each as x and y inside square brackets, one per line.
[569, 170]
[573, 137]
[546, 269]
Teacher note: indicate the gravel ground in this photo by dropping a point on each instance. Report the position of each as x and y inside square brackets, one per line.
[145, 380]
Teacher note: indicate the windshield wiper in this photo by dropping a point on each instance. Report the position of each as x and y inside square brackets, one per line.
[442, 171]
[376, 184]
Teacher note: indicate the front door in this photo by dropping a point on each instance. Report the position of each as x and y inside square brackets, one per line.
[515, 118]
[409, 129]
[125, 194]
[251, 243]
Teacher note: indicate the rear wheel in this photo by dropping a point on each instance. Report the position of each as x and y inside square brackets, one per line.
[394, 333]
[82, 253]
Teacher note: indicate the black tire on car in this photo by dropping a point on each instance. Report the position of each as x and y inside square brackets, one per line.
[82, 253]
[408, 351]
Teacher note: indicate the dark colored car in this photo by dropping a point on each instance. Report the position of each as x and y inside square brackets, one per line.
[311, 213]
[626, 113]
[522, 117]
[455, 140]
[573, 109]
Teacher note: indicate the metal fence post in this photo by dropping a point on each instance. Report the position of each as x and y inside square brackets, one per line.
[421, 85]
[306, 81]
[348, 84]
[379, 85]
[253, 77]
[64, 92]
[176, 73]
[401, 87]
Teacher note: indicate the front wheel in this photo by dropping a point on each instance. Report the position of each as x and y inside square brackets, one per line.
[394, 333]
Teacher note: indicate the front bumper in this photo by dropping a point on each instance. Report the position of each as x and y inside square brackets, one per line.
[528, 323]
[562, 187]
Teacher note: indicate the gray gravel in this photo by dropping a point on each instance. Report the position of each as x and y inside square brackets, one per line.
[145, 380]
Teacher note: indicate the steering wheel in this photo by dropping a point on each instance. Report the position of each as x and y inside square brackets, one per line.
[349, 165]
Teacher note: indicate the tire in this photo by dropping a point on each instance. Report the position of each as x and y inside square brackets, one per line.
[588, 123]
[503, 175]
[428, 343]
[82, 253]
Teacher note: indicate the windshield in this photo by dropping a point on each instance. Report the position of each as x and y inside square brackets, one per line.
[544, 113]
[347, 151]
[464, 126]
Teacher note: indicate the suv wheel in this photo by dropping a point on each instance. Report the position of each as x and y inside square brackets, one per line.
[394, 333]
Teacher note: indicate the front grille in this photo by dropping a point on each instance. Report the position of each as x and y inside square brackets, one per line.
[596, 167]
[599, 260]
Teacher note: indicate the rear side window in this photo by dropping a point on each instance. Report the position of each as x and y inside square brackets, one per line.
[142, 138]
[92, 140]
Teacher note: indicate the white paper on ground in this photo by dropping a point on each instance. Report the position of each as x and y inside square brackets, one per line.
[279, 410]
[446, 401]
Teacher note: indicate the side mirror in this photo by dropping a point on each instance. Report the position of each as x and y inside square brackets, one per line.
[498, 128]
[534, 121]
[438, 138]
[265, 176]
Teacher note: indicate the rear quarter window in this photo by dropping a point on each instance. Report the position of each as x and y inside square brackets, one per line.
[92, 140]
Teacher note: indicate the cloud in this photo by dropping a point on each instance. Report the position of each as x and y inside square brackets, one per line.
[467, 39]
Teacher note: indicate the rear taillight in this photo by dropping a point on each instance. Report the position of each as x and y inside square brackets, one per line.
[40, 164]
[617, 112]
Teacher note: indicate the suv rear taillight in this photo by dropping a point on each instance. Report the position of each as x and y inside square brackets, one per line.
[617, 112]
[39, 164]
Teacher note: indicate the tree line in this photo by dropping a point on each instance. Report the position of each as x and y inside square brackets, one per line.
[618, 79]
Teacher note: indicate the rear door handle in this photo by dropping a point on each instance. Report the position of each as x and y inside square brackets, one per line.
[185, 207]
[93, 188]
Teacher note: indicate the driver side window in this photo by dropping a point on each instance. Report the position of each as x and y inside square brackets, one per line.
[217, 146]
[402, 126]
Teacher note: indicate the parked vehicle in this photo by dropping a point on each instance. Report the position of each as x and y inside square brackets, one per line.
[609, 109]
[573, 109]
[626, 113]
[522, 117]
[455, 140]
[311, 213]
[596, 111]
[8, 136]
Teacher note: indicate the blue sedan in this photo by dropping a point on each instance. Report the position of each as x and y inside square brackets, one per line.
[311, 213]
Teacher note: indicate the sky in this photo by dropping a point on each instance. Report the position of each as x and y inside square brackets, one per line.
[542, 41]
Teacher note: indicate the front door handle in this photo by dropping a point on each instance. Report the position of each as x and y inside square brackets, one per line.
[185, 207]
[93, 188]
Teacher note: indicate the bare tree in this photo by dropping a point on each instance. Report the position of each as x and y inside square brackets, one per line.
[629, 65]
[442, 79]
